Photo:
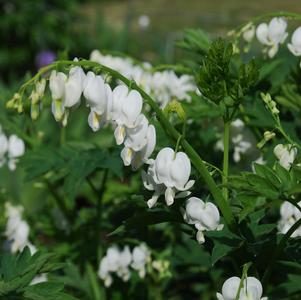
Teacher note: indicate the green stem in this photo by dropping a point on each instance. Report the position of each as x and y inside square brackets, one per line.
[226, 159]
[278, 251]
[166, 125]
[59, 201]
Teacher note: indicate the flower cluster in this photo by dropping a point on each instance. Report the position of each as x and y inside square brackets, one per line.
[286, 155]
[120, 261]
[11, 149]
[272, 35]
[167, 175]
[17, 230]
[17, 234]
[203, 215]
[121, 107]
[290, 214]
[251, 289]
[163, 85]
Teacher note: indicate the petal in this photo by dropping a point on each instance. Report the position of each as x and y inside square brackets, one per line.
[119, 134]
[262, 33]
[169, 196]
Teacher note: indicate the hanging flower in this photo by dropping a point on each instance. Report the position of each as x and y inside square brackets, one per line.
[141, 256]
[99, 97]
[286, 155]
[272, 35]
[115, 261]
[290, 214]
[203, 215]
[251, 290]
[295, 45]
[16, 149]
[139, 143]
[248, 33]
[66, 91]
[169, 173]
[126, 111]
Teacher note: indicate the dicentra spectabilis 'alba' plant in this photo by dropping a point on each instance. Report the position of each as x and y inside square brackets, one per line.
[286, 155]
[290, 214]
[203, 215]
[295, 45]
[251, 290]
[168, 174]
[272, 35]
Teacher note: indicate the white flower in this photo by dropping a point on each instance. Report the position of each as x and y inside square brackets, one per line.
[272, 34]
[140, 257]
[295, 45]
[290, 214]
[168, 173]
[99, 97]
[16, 149]
[203, 215]
[39, 279]
[57, 87]
[249, 33]
[126, 111]
[144, 21]
[66, 91]
[240, 146]
[251, 290]
[115, 261]
[139, 143]
[286, 155]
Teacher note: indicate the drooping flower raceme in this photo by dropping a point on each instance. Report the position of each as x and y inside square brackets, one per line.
[121, 108]
[251, 289]
[290, 214]
[163, 85]
[17, 230]
[272, 35]
[286, 155]
[168, 174]
[119, 262]
[203, 215]
[115, 261]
